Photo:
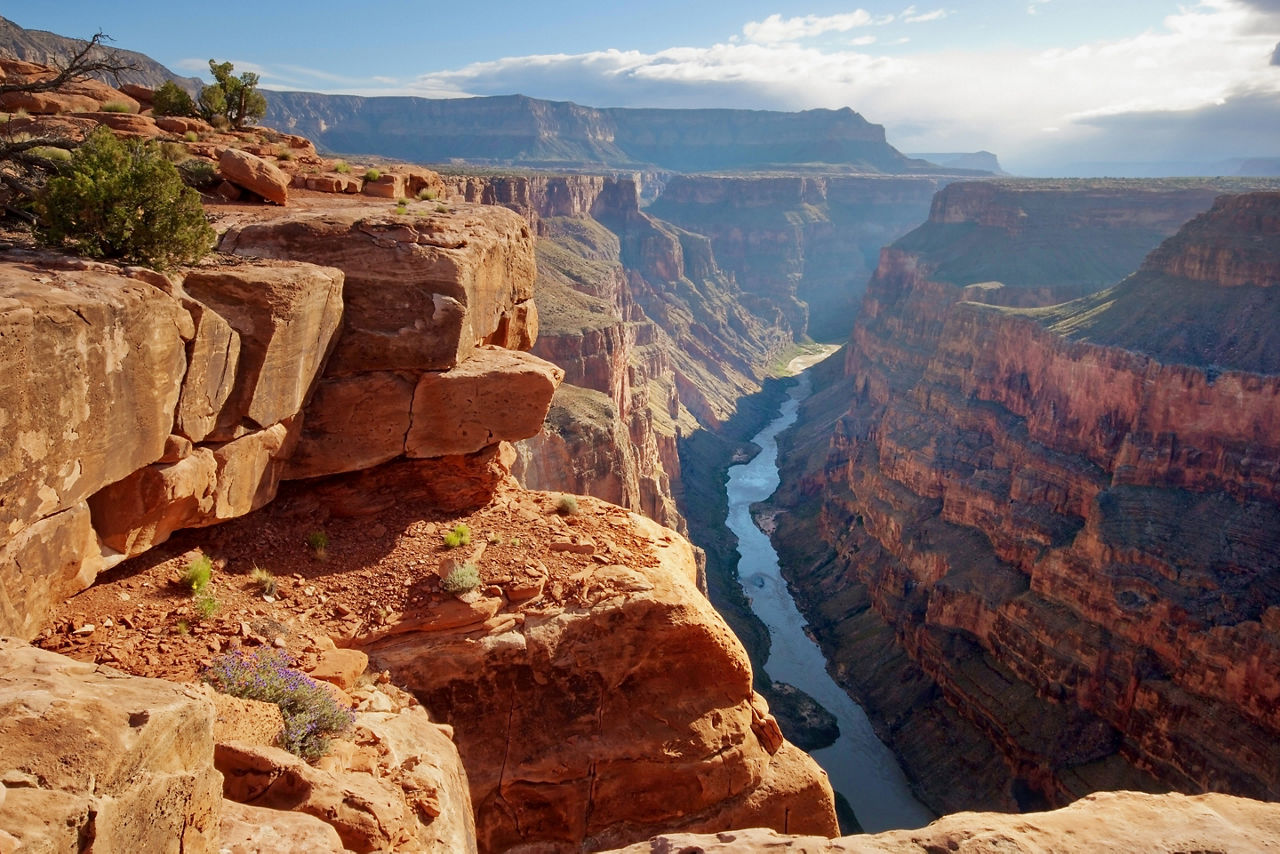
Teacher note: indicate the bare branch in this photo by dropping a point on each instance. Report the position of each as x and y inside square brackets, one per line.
[93, 58]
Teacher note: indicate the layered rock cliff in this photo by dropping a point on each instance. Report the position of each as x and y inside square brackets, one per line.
[518, 130]
[654, 338]
[804, 244]
[1061, 518]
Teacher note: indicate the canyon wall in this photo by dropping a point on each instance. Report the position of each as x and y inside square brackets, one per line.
[655, 340]
[518, 130]
[1054, 526]
[803, 243]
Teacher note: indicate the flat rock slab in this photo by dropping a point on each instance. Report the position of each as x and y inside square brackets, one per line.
[90, 752]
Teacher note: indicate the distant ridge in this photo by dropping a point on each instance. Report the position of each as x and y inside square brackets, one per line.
[515, 130]
[47, 48]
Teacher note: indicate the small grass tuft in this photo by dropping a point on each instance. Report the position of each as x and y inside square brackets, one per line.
[462, 579]
[459, 536]
[197, 575]
[442, 208]
[318, 542]
[191, 136]
[264, 581]
[341, 167]
[427, 195]
[207, 605]
[567, 505]
[115, 107]
[372, 175]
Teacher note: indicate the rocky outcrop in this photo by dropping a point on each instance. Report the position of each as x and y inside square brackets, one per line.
[93, 757]
[101, 364]
[577, 715]
[182, 402]
[1113, 821]
[1068, 536]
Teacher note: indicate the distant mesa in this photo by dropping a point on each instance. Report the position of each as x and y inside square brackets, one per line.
[517, 130]
[981, 161]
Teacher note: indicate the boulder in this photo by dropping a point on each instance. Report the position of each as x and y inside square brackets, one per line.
[286, 317]
[496, 395]
[254, 174]
[369, 814]
[46, 103]
[354, 423]
[342, 667]
[47, 562]
[420, 293]
[257, 830]
[331, 183]
[91, 753]
[387, 186]
[183, 124]
[211, 485]
[124, 124]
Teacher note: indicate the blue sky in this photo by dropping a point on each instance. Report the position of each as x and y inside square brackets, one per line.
[1039, 82]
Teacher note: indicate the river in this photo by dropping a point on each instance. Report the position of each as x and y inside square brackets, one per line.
[861, 768]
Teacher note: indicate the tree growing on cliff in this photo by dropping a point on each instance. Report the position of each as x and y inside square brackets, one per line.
[29, 157]
[229, 100]
[123, 199]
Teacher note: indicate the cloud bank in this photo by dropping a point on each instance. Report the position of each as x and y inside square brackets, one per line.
[1119, 99]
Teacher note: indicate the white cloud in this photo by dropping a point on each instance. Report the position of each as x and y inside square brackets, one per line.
[1009, 100]
[775, 28]
[1034, 6]
[913, 17]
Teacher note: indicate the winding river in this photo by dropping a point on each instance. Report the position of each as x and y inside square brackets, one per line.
[861, 768]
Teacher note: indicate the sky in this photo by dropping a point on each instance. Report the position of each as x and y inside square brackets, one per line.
[1050, 86]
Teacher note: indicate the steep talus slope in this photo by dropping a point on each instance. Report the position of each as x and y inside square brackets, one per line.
[1028, 517]
[804, 243]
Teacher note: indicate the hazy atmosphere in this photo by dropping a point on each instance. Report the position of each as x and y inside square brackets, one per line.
[1052, 87]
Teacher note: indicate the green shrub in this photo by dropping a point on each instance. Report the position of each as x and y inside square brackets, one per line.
[191, 136]
[198, 172]
[115, 107]
[311, 714]
[567, 505]
[459, 536]
[372, 175]
[341, 167]
[174, 152]
[122, 199]
[197, 574]
[462, 579]
[426, 195]
[285, 154]
[172, 100]
[442, 209]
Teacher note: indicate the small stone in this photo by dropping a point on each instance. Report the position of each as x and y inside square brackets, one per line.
[86, 629]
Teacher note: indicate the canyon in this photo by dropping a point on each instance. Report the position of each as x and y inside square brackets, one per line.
[1053, 516]
[1031, 514]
